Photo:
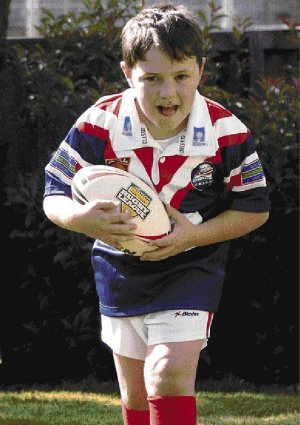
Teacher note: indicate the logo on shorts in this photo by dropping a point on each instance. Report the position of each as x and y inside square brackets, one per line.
[185, 313]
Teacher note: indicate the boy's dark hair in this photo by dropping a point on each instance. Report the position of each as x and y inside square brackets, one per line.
[171, 28]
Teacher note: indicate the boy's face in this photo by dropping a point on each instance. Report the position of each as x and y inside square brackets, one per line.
[165, 91]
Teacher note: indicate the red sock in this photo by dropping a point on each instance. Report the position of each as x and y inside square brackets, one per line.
[135, 417]
[178, 410]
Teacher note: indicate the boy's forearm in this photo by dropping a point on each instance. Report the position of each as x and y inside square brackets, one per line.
[229, 225]
[59, 210]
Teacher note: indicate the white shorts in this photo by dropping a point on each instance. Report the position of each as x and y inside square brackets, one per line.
[131, 336]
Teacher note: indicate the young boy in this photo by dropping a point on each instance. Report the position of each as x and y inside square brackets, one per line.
[157, 309]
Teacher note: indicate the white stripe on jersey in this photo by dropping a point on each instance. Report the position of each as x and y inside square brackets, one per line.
[195, 217]
[228, 126]
[237, 171]
[72, 154]
[94, 116]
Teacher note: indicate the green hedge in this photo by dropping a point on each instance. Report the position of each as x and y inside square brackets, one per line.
[49, 308]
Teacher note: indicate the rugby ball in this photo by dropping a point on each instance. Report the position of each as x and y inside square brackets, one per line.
[102, 182]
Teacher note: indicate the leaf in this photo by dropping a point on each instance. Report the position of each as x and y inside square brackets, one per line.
[68, 83]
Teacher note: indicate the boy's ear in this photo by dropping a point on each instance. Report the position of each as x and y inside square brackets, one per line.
[127, 72]
[201, 69]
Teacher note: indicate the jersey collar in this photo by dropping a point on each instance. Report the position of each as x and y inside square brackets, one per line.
[199, 140]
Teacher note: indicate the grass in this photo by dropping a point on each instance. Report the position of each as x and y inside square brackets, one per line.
[101, 406]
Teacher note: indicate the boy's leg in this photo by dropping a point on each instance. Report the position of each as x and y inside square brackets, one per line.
[130, 374]
[170, 373]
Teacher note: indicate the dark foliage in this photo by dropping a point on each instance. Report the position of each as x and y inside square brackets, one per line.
[4, 9]
[49, 324]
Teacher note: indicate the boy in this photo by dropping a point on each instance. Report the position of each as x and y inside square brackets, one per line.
[156, 309]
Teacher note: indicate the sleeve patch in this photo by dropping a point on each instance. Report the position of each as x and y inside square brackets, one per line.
[61, 161]
[252, 172]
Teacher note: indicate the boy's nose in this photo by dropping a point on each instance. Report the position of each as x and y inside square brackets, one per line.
[167, 89]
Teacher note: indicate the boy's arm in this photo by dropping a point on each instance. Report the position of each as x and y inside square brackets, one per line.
[97, 219]
[228, 225]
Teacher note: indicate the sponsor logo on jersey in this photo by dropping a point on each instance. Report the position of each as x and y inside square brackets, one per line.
[144, 135]
[202, 175]
[135, 200]
[199, 136]
[181, 313]
[127, 127]
[182, 143]
[120, 163]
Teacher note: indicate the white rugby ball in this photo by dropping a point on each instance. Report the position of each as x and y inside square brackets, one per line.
[101, 182]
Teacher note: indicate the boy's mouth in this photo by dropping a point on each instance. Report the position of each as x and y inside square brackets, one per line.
[168, 111]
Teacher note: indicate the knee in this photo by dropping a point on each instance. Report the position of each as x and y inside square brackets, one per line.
[135, 398]
[164, 377]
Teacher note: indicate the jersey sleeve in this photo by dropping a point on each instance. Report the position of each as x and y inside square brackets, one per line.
[80, 148]
[244, 178]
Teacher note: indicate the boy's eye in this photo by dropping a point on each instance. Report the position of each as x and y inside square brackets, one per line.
[182, 77]
[151, 78]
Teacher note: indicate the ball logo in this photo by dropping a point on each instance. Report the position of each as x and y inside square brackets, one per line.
[135, 200]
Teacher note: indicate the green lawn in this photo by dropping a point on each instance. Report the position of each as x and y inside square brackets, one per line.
[36, 407]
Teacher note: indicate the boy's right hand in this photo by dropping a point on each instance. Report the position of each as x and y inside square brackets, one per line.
[103, 220]
[96, 219]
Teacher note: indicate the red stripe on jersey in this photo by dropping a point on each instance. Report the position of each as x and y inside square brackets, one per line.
[145, 155]
[167, 169]
[116, 107]
[216, 111]
[109, 103]
[77, 166]
[216, 159]
[179, 195]
[109, 153]
[234, 181]
[93, 130]
[208, 324]
[233, 139]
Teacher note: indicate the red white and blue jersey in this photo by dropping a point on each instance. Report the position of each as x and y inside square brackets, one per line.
[210, 167]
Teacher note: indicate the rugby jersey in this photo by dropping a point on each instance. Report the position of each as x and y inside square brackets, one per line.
[211, 167]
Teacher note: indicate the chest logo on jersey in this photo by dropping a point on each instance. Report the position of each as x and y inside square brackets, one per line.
[202, 175]
[127, 127]
[134, 200]
[120, 163]
[199, 136]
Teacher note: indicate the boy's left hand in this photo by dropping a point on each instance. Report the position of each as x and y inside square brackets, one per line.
[181, 238]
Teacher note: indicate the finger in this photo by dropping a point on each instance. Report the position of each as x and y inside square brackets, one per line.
[173, 213]
[121, 222]
[155, 255]
[105, 204]
[121, 228]
[163, 242]
[121, 238]
[110, 217]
